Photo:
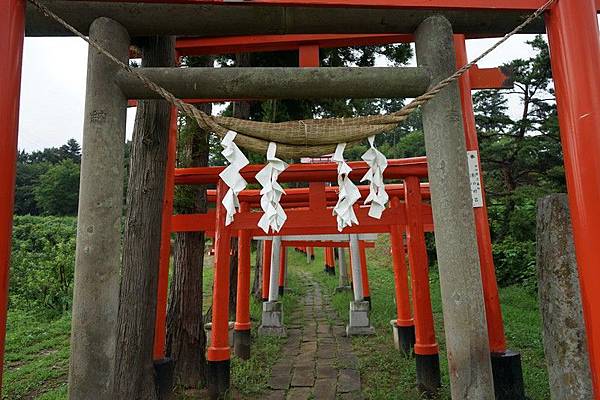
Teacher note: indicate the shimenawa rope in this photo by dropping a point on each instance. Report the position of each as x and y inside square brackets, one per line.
[295, 139]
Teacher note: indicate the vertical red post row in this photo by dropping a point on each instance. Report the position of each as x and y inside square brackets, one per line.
[160, 325]
[242, 323]
[575, 55]
[364, 271]
[12, 33]
[404, 315]
[267, 250]
[282, 266]
[218, 354]
[484, 240]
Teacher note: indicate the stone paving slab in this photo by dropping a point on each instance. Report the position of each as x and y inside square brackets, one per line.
[317, 361]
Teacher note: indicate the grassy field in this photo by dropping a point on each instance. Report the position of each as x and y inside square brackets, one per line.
[37, 354]
[388, 375]
[37, 350]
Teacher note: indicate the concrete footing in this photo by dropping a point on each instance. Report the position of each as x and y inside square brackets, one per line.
[428, 373]
[272, 320]
[404, 338]
[359, 324]
[208, 328]
[508, 376]
[218, 377]
[164, 369]
[242, 343]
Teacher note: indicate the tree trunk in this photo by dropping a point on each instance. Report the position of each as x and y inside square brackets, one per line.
[257, 284]
[134, 369]
[186, 339]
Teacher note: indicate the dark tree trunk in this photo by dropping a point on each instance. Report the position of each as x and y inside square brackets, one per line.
[134, 369]
[186, 339]
[257, 284]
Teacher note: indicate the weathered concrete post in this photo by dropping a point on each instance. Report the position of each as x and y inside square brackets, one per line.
[272, 314]
[565, 342]
[359, 323]
[343, 272]
[456, 243]
[98, 254]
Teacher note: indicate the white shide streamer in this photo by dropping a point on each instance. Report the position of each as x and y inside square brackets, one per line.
[377, 162]
[274, 216]
[349, 193]
[231, 175]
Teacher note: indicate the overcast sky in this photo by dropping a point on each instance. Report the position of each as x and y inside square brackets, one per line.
[53, 86]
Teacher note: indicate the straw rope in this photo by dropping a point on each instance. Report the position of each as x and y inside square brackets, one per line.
[295, 139]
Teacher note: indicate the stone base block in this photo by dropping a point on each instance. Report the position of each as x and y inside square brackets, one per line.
[272, 319]
[208, 328]
[404, 338]
[359, 319]
[508, 376]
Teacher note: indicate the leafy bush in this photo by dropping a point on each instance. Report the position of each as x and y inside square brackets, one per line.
[42, 263]
[515, 262]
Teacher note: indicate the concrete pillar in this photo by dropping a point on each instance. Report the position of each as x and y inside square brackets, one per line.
[456, 243]
[565, 342]
[359, 323]
[272, 314]
[98, 254]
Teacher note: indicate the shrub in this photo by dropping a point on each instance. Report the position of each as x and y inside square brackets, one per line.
[515, 262]
[42, 263]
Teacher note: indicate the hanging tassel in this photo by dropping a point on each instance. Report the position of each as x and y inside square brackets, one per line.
[349, 193]
[274, 216]
[377, 162]
[231, 175]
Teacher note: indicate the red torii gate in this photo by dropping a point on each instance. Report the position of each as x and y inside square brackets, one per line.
[574, 51]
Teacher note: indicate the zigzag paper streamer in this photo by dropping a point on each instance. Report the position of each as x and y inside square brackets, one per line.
[349, 193]
[231, 175]
[377, 162]
[274, 216]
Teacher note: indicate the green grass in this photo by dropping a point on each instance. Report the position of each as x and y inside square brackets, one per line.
[37, 352]
[386, 374]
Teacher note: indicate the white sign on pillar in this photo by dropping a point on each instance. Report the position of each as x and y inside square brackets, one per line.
[475, 178]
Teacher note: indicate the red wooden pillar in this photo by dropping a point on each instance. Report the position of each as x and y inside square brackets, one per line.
[364, 271]
[12, 33]
[267, 249]
[426, 347]
[575, 56]
[282, 266]
[160, 325]
[242, 313]
[400, 273]
[218, 354]
[484, 240]
[329, 261]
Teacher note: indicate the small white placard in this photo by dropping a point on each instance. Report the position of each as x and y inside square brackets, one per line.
[474, 177]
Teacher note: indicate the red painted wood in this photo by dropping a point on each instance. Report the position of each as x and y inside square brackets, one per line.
[403, 311]
[419, 270]
[242, 313]
[12, 33]
[267, 252]
[484, 239]
[364, 270]
[219, 349]
[575, 50]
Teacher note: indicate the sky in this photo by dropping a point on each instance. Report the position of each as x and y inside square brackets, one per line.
[53, 86]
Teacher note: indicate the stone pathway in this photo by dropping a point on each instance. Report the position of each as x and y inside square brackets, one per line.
[317, 360]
